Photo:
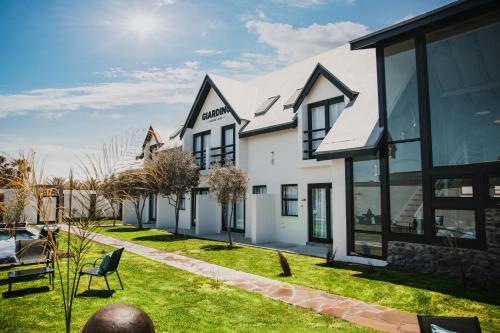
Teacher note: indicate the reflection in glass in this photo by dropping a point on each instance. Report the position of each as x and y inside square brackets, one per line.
[494, 187]
[319, 213]
[464, 93]
[453, 188]
[317, 125]
[366, 189]
[405, 186]
[401, 91]
[368, 244]
[455, 223]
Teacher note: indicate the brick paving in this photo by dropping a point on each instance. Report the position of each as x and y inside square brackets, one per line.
[358, 312]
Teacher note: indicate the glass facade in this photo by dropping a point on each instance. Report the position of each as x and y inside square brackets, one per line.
[455, 223]
[401, 91]
[453, 188]
[464, 93]
[367, 212]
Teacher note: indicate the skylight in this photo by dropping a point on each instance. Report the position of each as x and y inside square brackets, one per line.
[291, 101]
[266, 105]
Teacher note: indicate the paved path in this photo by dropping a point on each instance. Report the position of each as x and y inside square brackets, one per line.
[374, 316]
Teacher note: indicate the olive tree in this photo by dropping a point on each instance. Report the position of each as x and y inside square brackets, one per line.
[174, 173]
[135, 185]
[228, 185]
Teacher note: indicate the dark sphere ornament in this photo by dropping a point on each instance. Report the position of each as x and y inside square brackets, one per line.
[119, 318]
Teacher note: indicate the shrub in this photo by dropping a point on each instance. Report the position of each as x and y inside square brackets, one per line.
[330, 255]
[284, 265]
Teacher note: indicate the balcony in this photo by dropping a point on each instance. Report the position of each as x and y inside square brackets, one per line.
[219, 154]
[311, 142]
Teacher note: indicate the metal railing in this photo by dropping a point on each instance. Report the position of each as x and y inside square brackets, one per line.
[311, 141]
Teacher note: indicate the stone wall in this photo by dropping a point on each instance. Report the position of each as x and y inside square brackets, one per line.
[481, 267]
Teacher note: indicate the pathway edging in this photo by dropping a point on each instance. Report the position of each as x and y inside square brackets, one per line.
[355, 311]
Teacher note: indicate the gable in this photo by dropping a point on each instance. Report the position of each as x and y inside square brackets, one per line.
[321, 90]
[206, 88]
[213, 113]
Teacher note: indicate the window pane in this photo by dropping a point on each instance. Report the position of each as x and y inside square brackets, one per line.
[455, 223]
[494, 187]
[368, 244]
[290, 192]
[366, 188]
[317, 122]
[334, 112]
[290, 208]
[240, 215]
[401, 91]
[259, 189]
[228, 136]
[464, 93]
[405, 182]
[454, 188]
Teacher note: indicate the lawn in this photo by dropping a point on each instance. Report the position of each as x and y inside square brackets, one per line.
[412, 292]
[175, 300]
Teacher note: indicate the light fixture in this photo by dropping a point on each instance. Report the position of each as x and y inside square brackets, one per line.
[497, 121]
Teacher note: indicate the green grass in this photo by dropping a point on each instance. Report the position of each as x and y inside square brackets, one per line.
[408, 291]
[175, 300]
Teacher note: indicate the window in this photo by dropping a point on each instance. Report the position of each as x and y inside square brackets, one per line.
[453, 188]
[259, 189]
[494, 187]
[228, 142]
[266, 105]
[367, 220]
[292, 99]
[455, 223]
[401, 91]
[182, 203]
[201, 146]
[321, 117]
[289, 200]
[464, 92]
[405, 188]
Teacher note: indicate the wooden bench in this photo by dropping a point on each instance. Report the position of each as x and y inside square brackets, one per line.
[31, 274]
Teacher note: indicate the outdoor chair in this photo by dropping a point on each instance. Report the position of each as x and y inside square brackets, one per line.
[108, 265]
[431, 324]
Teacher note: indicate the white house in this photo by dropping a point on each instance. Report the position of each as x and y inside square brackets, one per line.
[271, 127]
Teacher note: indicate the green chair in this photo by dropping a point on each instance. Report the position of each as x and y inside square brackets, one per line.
[109, 265]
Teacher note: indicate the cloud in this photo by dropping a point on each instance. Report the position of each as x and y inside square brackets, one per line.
[167, 85]
[237, 65]
[205, 52]
[407, 17]
[291, 43]
[301, 3]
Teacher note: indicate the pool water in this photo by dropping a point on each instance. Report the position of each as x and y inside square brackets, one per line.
[20, 235]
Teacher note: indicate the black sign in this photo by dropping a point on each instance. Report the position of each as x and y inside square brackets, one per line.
[215, 113]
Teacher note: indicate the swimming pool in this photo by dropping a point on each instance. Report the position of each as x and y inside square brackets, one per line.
[22, 234]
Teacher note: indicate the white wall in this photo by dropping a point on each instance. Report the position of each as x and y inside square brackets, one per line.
[260, 217]
[30, 210]
[206, 208]
[80, 204]
[128, 213]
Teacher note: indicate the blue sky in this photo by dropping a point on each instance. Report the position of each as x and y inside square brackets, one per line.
[75, 73]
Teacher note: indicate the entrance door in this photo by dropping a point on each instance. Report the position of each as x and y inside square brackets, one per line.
[194, 196]
[152, 207]
[236, 217]
[320, 218]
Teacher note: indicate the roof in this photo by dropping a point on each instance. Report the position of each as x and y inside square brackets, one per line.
[444, 13]
[174, 139]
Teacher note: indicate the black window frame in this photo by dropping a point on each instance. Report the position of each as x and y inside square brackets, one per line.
[309, 153]
[283, 200]
[182, 202]
[480, 172]
[255, 187]
[201, 160]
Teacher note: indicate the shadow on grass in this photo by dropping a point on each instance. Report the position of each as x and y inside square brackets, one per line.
[219, 247]
[419, 281]
[26, 291]
[161, 238]
[125, 229]
[96, 294]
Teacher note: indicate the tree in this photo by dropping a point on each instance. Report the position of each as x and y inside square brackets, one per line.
[228, 185]
[6, 171]
[135, 185]
[174, 173]
[57, 181]
[112, 194]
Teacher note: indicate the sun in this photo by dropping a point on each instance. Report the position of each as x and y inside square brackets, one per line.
[143, 25]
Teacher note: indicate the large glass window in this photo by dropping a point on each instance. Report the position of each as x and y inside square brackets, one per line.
[228, 142]
[289, 200]
[455, 223]
[401, 91]
[405, 188]
[464, 92]
[367, 206]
